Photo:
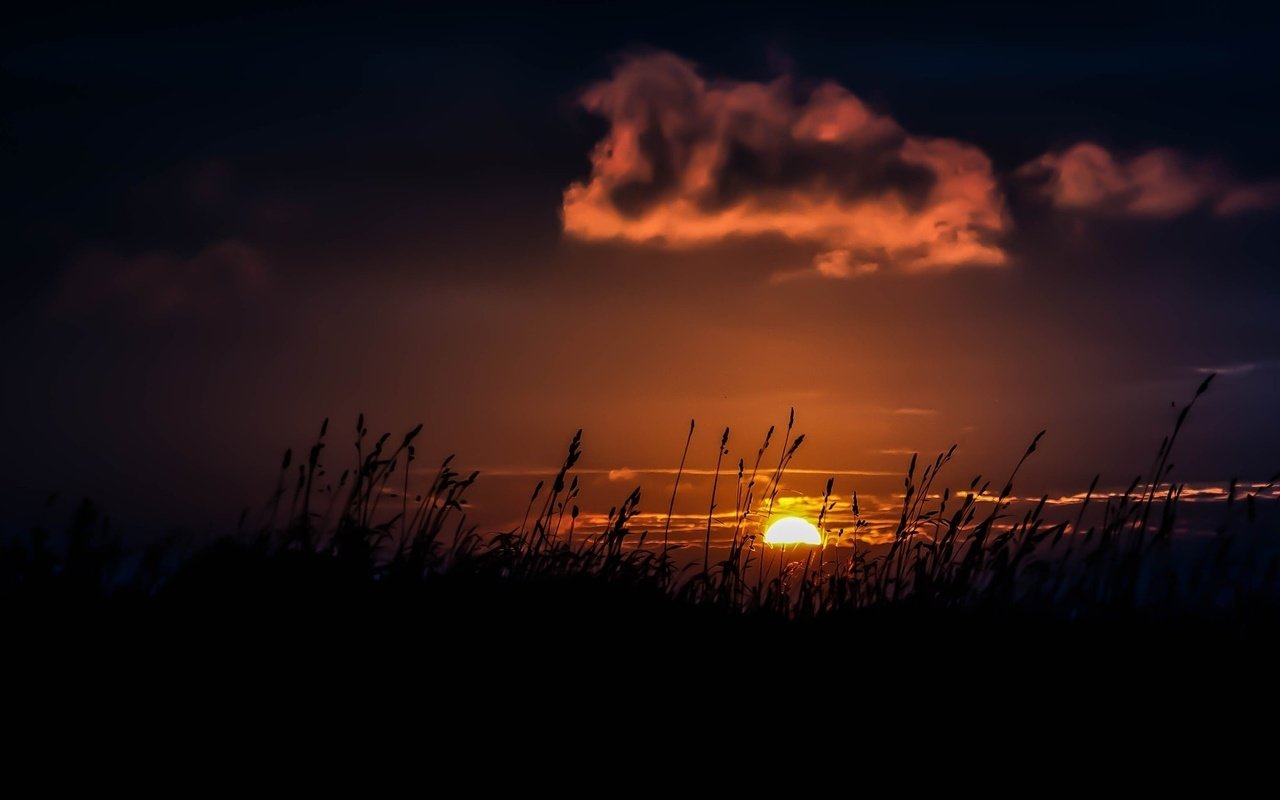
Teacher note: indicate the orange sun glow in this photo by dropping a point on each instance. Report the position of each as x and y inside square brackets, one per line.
[792, 530]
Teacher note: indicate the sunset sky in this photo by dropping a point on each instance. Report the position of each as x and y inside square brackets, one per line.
[917, 226]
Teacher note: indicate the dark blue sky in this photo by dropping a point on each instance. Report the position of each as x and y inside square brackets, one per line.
[385, 184]
[367, 109]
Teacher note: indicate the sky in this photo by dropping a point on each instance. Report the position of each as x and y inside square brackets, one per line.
[917, 226]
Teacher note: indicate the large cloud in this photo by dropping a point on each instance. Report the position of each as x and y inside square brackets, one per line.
[1158, 184]
[691, 162]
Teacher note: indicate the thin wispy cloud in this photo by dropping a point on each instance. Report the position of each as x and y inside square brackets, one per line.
[834, 264]
[161, 286]
[1228, 370]
[630, 473]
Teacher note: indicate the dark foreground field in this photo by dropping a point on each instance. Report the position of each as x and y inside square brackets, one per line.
[322, 594]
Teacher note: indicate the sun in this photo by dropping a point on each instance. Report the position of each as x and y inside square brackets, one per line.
[792, 530]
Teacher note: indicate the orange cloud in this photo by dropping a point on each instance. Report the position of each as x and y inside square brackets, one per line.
[841, 264]
[1158, 184]
[690, 162]
[915, 412]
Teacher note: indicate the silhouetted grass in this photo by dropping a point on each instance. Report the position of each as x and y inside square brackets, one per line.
[368, 538]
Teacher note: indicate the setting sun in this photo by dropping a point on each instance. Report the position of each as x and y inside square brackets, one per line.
[792, 530]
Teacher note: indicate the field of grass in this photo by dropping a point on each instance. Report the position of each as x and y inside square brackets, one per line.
[354, 600]
[369, 538]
